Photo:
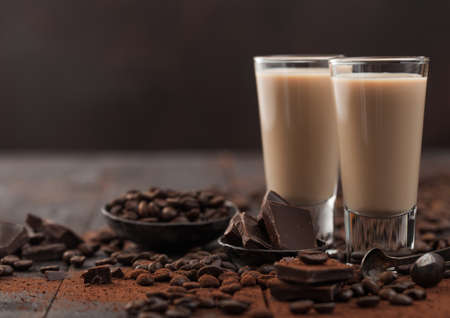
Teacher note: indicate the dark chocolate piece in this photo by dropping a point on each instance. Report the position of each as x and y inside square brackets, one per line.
[97, 275]
[313, 258]
[45, 252]
[55, 275]
[294, 270]
[288, 227]
[269, 196]
[252, 236]
[325, 308]
[232, 235]
[12, 237]
[285, 291]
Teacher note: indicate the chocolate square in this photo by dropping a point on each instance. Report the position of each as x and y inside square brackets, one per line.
[232, 235]
[269, 196]
[252, 236]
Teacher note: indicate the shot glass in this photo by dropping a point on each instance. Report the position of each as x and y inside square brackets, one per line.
[380, 105]
[299, 135]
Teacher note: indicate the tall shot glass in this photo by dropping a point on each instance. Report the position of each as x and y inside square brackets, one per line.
[380, 105]
[298, 127]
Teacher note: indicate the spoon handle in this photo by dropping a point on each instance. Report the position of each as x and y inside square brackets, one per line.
[444, 252]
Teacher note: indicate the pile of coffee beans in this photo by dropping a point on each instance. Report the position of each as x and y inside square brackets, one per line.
[160, 205]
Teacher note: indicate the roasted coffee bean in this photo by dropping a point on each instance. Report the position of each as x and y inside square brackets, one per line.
[117, 272]
[368, 301]
[130, 215]
[157, 294]
[77, 260]
[162, 275]
[261, 313]
[133, 307]
[43, 269]
[105, 261]
[403, 269]
[428, 270]
[324, 308]
[157, 304]
[358, 290]
[190, 302]
[400, 299]
[211, 270]
[301, 306]
[313, 259]
[126, 258]
[206, 302]
[69, 254]
[370, 286]
[191, 285]
[345, 295]
[416, 293]
[168, 213]
[135, 273]
[6, 270]
[387, 277]
[248, 280]
[178, 280]
[243, 269]
[266, 269]
[386, 293]
[230, 288]
[153, 267]
[356, 257]
[446, 274]
[207, 280]
[178, 312]
[229, 265]
[9, 259]
[146, 314]
[233, 307]
[23, 264]
[88, 250]
[145, 279]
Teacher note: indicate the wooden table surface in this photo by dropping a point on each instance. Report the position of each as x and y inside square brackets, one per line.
[71, 188]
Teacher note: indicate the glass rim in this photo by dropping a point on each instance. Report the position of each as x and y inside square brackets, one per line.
[295, 58]
[379, 60]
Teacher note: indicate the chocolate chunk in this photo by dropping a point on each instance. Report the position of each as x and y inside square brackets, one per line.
[400, 299]
[77, 260]
[324, 308]
[301, 306]
[55, 275]
[43, 269]
[269, 196]
[428, 270]
[232, 235]
[313, 258]
[97, 275]
[12, 238]
[416, 293]
[117, 273]
[233, 307]
[294, 270]
[251, 234]
[288, 227]
[36, 238]
[368, 301]
[23, 264]
[45, 252]
[285, 291]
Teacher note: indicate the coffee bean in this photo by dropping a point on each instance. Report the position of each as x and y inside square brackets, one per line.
[368, 301]
[400, 299]
[248, 280]
[401, 286]
[356, 257]
[105, 261]
[135, 273]
[358, 290]
[229, 265]
[428, 270]
[88, 250]
[446, 274]
[386, 293]
[9, 259]
[301, 306]
[191, 285]
[78, 260]
[145, 279]
[313, 259]
[324, 308]
[230, 288]
[6, 270]
[233, 307]
[403, 269]
[145, 314]
[387, 277]
[190, 302]
[211, 270]
[162, 275]
[178, 280]
[345, 295]
[157, 304]
[266, 269]
[207, 280]
[153, 267]
[133, 307]
[23, 265]
[126, 258]
[261, 313]
[43, 269]
[416, 293]
[370, 286]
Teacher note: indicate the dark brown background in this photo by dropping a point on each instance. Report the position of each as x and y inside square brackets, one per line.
[165, 74]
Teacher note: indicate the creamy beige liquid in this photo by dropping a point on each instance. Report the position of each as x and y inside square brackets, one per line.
[298, 124]
[380, 119]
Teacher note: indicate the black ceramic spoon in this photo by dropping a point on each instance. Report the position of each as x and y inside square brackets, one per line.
[376, 261]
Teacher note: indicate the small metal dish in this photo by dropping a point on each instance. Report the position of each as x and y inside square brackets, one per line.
[166, 236]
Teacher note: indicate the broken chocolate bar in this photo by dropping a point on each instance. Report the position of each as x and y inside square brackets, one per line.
[288, 227]
[232, 235]
[269, 196]
[97, 275]
[12, 237]
[44, 252]
[285, 291]
[294, 270]
[252, 236]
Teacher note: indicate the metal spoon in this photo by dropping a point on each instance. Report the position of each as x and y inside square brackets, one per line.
[376, 261]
